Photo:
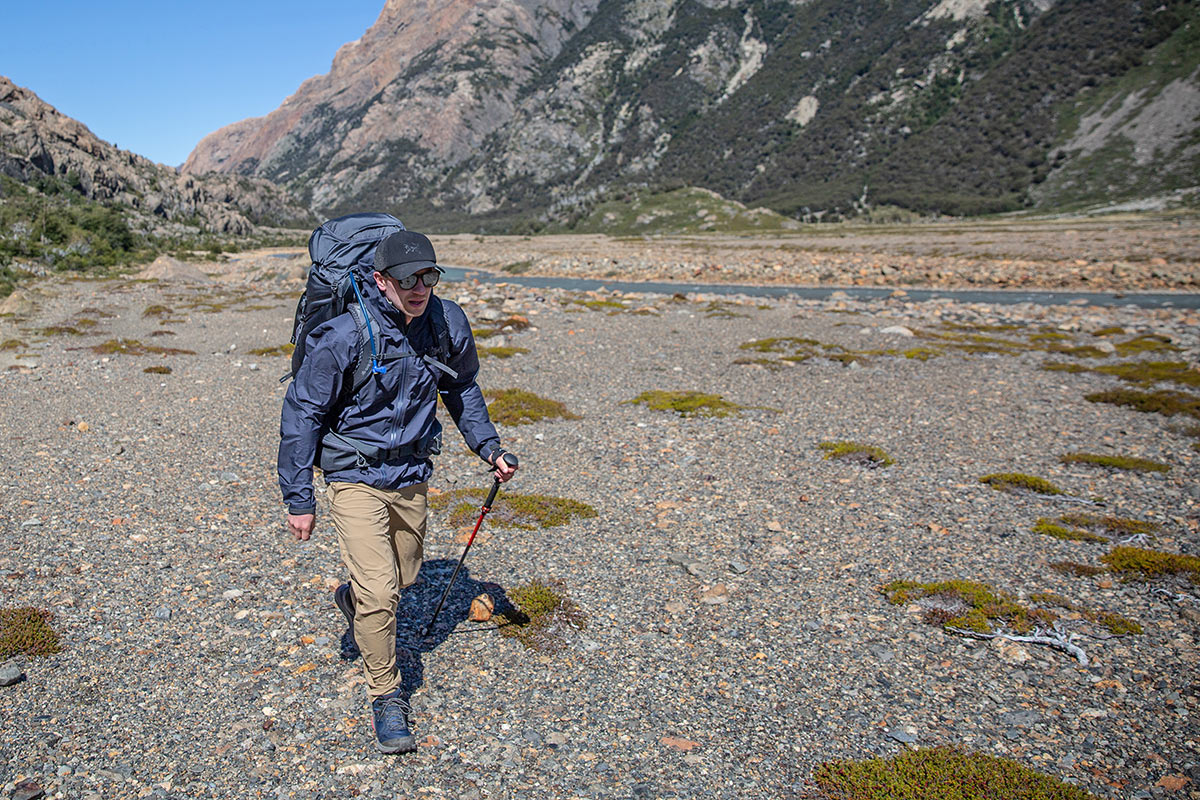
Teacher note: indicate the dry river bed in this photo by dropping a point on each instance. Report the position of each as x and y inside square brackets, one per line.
[1102, 254]
[736, 635]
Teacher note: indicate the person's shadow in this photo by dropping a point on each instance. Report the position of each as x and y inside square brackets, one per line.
[416, 606]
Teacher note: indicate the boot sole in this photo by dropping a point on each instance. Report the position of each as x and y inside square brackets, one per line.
[405, 744]
[342, 601]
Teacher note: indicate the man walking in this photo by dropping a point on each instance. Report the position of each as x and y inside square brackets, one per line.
[373, 443]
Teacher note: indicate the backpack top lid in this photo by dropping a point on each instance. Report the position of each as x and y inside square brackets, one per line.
[350, 240]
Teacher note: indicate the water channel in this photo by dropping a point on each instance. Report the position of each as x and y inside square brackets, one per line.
[997, 296]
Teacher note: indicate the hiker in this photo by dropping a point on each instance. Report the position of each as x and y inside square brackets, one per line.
[374, 442]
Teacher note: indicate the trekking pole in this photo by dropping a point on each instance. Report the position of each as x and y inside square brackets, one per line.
[487, 506]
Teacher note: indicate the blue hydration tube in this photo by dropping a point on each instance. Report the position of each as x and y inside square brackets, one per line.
[375, 366]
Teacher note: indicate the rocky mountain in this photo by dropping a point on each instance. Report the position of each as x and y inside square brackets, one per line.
[478, 113]
[39, 142]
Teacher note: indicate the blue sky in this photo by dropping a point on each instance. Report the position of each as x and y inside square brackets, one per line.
[156, 77]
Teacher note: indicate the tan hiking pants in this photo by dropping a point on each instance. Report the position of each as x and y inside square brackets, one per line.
[381, 533]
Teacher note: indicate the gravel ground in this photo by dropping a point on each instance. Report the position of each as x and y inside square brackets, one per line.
[736, 635]
[1104, 254]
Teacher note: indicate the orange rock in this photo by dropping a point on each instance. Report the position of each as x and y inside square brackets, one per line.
[482, 608]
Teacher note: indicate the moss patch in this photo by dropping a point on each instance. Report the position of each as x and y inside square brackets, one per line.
[501, 352]
[865, 455]
[722, 310]
[1114, 526]
[779, 344]
[940, 773]
[1115, 462]
[968, 605]
[511, 510]
[1048, 527]
[156, 311]
[1137, 562]
[1145, 373]
[1019, 482]
[540, 614]
[132, 347]
[1115, 624]
[1077, 569]
[519, 407]
[158, 370]
[276, 350]
[12, 344]
[687, 404]
[1167, 403]
[27, 631]
[1148, 343]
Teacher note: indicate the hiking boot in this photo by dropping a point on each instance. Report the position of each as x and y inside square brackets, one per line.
[344, 599]
[389, 714]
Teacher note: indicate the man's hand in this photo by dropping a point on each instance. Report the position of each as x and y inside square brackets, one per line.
[503, 470]
[301, 525]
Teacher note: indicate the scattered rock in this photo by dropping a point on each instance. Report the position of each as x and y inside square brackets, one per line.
[165, 268]
[715, 596]
[896, 330]
[28, 790]
[482, 608]
[10, 674]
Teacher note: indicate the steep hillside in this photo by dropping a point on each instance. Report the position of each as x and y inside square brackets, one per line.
[495, 113]
[38, 144]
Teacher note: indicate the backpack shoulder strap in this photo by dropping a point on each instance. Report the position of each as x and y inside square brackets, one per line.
[441, 328]
[362, 355]
[441, 336]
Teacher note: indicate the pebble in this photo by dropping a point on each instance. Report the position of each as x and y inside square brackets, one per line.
[10, 674]
[162, 613]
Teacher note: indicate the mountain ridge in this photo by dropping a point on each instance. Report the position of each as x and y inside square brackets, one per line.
[492, 112]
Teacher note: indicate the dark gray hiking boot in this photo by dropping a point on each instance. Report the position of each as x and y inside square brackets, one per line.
[389, 715]
[343, 598]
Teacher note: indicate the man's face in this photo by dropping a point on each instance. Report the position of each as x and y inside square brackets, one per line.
[412, 301]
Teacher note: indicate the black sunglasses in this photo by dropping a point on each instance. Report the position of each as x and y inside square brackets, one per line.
[428, 278]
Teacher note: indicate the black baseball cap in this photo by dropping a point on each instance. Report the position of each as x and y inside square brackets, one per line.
[405, 253]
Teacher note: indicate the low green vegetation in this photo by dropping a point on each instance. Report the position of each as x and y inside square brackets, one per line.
[27, 631]
[501, 352]
[865, 455]
[1138, 562]
[1145, 373]
[1115, 462]
[1077, 569]
[519, 407]
[1048, 527]
[967, 605]
[285, 349]
[12, 344]
[133, 347]
[50, 223]
[511, 509]
[1167, 403]
[1114, 526]
[540, 614]
[688, 404]
[719, 309]
[1019, 482]
[684, 210]
[518, 267]
[977, 607]
[1115, 624]
[158, 370]
[940, 773]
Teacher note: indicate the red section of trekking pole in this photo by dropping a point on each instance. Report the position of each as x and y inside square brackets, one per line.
[487, 506]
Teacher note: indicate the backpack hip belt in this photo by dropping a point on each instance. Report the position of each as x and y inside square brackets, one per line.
[340, 452]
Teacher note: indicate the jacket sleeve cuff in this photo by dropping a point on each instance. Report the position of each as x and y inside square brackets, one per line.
[489, 447]
[300, 511]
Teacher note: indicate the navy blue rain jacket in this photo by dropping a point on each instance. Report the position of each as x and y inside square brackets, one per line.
[391, 410]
